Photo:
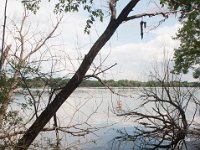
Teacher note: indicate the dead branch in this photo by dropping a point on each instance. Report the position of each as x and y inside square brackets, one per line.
[74, 130]
[164, 14]
[165, 125]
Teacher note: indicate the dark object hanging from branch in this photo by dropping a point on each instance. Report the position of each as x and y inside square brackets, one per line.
[142, 25]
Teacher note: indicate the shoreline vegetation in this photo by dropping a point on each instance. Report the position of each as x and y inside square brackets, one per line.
[60, 82]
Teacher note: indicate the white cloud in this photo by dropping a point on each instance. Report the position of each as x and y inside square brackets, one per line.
[135, 60]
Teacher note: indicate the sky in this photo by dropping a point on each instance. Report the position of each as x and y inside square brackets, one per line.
[135, 57]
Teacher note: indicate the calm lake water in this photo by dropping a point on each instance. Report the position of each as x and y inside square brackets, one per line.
[90, 108]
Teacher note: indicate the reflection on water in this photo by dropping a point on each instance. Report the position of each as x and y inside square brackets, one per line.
[96, 107]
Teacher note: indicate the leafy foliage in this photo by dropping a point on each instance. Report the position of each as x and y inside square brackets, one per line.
[32, 5]
[187, 55]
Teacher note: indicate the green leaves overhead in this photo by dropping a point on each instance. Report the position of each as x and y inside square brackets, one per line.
[70, 6]
[31, 5]
[187, 55]
[93, 14]
[185, 6]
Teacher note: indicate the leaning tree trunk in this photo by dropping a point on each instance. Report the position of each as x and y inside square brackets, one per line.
[75, 81]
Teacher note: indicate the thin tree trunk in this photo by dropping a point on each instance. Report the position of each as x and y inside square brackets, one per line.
[75, 81]
[3, 35]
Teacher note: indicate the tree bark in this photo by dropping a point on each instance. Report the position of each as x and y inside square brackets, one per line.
[75, 81]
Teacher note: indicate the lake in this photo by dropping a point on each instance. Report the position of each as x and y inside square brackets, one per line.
[95, 109]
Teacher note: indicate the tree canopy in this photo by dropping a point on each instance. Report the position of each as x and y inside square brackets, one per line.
[188, 53]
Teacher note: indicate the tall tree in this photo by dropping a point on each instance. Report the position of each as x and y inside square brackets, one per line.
[115, 21]
[187, 55]
[75, 81]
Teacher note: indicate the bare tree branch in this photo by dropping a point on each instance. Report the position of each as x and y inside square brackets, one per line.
[165, 125]
[43, 41]
[164, 14]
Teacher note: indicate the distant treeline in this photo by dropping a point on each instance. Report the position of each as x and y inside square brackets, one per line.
[59, 82]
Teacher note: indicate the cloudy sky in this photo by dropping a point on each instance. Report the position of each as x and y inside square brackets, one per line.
[135, 58]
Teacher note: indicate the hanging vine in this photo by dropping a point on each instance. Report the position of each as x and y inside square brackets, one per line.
[143, 25]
